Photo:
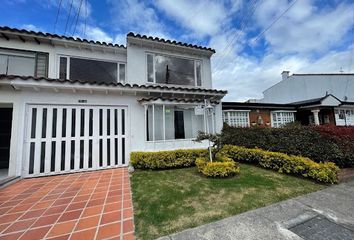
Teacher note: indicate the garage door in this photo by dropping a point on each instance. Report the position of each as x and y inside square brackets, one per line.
[62, 139]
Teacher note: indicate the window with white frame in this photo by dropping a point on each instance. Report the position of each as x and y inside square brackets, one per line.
[173, 70]
[280, 118]
[23, 63]
[169, 122]
[344, 117]
[91, 70]
[236, 118]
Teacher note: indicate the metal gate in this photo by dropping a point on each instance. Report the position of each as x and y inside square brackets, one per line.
[62, 139]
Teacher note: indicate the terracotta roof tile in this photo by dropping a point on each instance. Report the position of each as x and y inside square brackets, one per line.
[183, 100]
[56, 36]
[126, 85]
[156, 39]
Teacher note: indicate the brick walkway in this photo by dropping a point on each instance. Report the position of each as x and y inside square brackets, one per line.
[90, 205]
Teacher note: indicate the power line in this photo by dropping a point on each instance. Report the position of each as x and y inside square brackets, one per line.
[77, 17]
[67, 20]
[56, 18]
[275, 21]
[237, 35]
[85, 19]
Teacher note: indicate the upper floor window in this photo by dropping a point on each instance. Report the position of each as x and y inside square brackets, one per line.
[173, 70]
[91, 70]
[281, 118]
[236, 118]
[23, 63]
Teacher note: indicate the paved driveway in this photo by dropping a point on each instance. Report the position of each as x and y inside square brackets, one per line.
[326, 214]
[90, 205]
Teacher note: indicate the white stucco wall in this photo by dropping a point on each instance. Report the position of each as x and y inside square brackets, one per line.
[54, 51]
[303, 87]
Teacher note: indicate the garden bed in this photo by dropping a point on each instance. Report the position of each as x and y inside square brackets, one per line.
[169, 201]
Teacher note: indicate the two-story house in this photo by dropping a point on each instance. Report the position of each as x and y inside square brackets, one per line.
[71, 105]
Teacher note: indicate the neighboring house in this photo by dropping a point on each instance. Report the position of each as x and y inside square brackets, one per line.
[74, 105]
[308, 98]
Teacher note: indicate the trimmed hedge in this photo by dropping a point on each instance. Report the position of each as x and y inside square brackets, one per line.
[343, 137]
[321, 172]
[166, 159]
[293, 140]
[221, 167]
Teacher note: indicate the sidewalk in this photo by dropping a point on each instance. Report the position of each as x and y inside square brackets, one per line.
[326, 214]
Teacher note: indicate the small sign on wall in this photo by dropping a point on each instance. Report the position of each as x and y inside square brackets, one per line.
[82, 101]
[199, 110]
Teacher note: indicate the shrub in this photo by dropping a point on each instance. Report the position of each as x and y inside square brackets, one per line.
[166, 159]
[292, 139]
[343, 137]
[222, 166]
[322, 172]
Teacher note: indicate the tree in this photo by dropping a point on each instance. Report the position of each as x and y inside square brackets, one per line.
[216, 143]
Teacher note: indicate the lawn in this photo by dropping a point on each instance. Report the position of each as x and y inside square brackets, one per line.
[172, 200]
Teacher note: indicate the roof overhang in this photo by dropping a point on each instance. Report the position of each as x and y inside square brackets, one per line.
[168, 45]
[176, 101]
[57, 40]
[56, 85]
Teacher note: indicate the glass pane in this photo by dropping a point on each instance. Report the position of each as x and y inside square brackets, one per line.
[158, 122]
[198, 69]
[3, 64]
[92, 70]
[122, 72]
[173, 70]
[18, 65]
[150, 67]
[149, 124]
[198, 124]
[188, 124]
[169, 123]
[62, 68]
[42, 65]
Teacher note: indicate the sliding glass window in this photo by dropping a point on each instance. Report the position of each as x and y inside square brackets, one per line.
[165, 122]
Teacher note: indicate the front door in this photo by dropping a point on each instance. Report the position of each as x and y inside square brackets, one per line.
[179, 125]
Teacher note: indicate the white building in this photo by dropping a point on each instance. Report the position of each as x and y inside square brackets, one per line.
[302, 87]
[307, 98]
[71, 105]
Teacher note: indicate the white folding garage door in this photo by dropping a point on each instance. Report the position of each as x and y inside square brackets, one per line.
[63, 139]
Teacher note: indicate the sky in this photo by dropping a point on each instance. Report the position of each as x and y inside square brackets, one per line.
[255, 40]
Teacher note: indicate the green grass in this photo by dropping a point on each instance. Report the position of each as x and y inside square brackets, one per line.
[172, 200]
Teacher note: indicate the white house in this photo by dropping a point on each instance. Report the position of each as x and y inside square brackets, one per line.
[70, 105]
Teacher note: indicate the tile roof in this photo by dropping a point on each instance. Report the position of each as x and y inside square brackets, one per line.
[180, 100]
[113, 84]
[156, 39]
[56, 36]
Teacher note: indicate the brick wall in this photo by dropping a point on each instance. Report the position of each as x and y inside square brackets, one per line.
[260, 117]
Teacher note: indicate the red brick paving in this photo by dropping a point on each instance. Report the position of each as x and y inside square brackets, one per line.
[90, 205]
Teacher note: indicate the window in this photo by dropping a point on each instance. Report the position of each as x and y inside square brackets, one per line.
[23, 63]
[173, 70]
[91, 70]
[281, 118]
[344, 117]
[166, 122]
[236, 118]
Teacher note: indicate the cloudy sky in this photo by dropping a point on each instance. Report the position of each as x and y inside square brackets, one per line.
[255, 40]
